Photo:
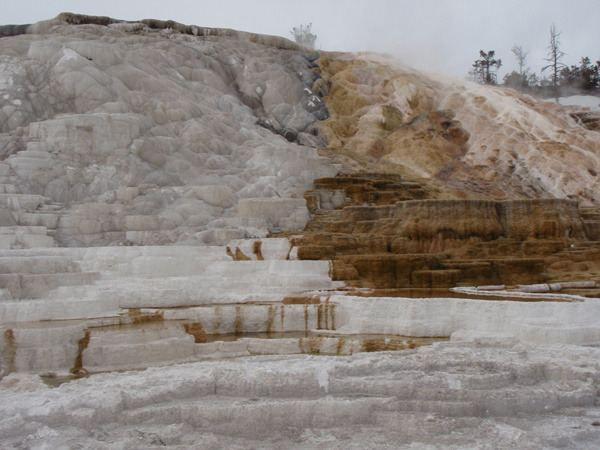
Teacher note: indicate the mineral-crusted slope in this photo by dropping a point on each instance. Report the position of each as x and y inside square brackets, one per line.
[145, 133]
[474, 141]
[152, 132]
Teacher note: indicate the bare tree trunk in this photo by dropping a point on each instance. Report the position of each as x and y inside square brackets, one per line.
[554, 57]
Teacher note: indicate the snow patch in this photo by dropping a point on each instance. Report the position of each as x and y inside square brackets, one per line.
[322, 375]
[583, 101]
[68, 55]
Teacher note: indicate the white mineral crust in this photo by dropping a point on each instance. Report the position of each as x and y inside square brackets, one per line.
[152, 137]
[483, 393]
[123, 134]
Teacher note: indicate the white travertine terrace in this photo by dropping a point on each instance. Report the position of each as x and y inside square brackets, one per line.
[151, 137]
[537, 362]
[141, 168]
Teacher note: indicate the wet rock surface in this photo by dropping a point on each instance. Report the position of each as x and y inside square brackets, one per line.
[380, 231]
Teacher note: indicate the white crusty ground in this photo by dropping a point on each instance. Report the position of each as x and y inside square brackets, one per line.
[484, 393]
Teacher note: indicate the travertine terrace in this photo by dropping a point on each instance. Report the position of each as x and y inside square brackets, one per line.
[221, 239]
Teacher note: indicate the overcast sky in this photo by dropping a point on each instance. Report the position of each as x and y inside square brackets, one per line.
[437, 35]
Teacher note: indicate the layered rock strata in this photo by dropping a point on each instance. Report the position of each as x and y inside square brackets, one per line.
[98, 309]
[377, 237]
[101, 309]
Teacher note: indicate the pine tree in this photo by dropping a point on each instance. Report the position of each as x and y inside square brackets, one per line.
[485, 68]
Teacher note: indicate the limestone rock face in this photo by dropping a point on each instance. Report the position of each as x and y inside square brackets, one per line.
[150, 133]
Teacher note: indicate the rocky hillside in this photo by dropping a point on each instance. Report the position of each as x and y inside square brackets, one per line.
[153, 132]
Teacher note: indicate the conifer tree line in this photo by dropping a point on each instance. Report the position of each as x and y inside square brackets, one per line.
[556, 78]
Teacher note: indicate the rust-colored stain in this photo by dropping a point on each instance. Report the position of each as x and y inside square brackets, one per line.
[282, 314]
[340, 346]
[137, 317]
[81, 346]
[332, 312]
[238, 326]
[238, 256]
[310, 345]
[10, 351]
[305, 318]
[270, 320]
[218, 320]
[257, 250]
[197, 330]
[301, 300]
[319, 309]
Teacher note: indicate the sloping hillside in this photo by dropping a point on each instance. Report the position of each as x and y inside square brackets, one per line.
[157, 133]
[470, 140]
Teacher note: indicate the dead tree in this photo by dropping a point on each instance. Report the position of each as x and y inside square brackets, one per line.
[554, 57]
